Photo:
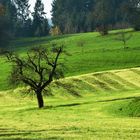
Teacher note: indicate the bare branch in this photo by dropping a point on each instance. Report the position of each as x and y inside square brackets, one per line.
[37, 70]
[59, 51]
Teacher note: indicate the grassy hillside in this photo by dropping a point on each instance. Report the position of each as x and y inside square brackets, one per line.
[88, 103]
[110, 81]
[109, 109]
[98, 54]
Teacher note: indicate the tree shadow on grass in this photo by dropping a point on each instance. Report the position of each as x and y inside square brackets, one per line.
[53, 107]
[70, 88]
[119, 99]
[50, 138]
[13, 134]
[61, 106]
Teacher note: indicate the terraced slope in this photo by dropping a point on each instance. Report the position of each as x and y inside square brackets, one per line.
[110, 81]
[109, 110]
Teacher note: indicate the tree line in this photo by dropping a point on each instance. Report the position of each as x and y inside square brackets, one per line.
[69, 16]
[73, 16]
[21, 21]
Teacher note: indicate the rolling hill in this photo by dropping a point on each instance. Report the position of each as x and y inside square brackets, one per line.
[97, 54]
[101, 105]
[98, 99]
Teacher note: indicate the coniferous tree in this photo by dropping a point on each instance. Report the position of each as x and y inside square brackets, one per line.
[40, 22]
[11, 15]
[5, 28]
[23, 23]
[132, 8]
[103, 15]
[87, 15]
[73, 16]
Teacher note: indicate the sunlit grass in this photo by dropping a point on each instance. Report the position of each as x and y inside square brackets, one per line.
[84, 118]
[99, 113]
[98, 106]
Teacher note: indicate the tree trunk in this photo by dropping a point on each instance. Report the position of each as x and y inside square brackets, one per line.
[103, 29]
[40, 99]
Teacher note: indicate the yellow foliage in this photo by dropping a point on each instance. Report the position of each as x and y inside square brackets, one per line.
[2, 10]
[55, 31]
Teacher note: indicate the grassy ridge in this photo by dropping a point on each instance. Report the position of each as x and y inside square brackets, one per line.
[109, 109]
[110, 81]
[98, 53]
[98, 105]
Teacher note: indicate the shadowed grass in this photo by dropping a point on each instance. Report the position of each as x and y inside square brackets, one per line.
[100, 53]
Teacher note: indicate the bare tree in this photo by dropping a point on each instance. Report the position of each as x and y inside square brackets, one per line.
[81, 43]
[37, 70]
[123, 37]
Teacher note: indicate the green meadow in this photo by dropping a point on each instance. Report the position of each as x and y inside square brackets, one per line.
[100, 106]
[97, 54]
[99, 98]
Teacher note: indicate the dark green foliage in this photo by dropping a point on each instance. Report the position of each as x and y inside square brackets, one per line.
[5, 24]
[134, 11]
[11, 14]
[87, 15]
[73, 16]
[17, 13]
[40, 22]
[103, 14]
[4, 32]
[23, 23]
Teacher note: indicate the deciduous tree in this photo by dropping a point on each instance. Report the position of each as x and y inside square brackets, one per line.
[37, 70]
[123, 37]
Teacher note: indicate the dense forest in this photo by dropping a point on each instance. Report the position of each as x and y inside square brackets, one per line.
[68, 16]
[87, 15]
[21, 21]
